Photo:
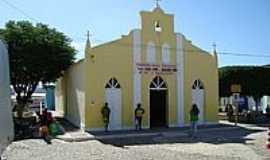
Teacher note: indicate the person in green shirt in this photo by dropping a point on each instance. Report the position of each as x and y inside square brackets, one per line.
[139, 111]
[105, 111]
[194, 117]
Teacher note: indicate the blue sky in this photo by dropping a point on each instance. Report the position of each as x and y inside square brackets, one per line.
[237, 26]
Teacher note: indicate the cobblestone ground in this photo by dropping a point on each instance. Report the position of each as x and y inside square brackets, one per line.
[211, 145]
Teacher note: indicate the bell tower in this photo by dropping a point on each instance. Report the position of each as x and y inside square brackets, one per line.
[157, 21]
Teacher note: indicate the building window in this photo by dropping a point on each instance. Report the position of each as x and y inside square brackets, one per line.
[165, 54]
[113, 83]
[151, 53]
[158, 83]
[197, 84]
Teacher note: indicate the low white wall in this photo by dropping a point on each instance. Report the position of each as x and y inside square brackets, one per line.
[70, 94]
[6, 122]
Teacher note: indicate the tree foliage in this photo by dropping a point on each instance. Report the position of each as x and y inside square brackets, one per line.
[254, 80]
[37, 53]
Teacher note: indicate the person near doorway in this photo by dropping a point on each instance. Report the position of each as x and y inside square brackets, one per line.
[267, 111]
[139, 111]
[105, 111]
[194, 117]
[230, 112]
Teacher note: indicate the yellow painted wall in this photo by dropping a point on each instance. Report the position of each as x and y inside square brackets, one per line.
[167, 36]
[199, 64]
[113, 59]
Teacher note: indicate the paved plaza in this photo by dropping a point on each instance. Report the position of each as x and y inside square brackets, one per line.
[212, 144]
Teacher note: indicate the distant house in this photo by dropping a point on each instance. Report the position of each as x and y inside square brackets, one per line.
[44, 96]
[50, 96]
[246, 102]
[6, 123]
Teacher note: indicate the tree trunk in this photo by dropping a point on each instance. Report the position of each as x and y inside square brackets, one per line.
[20, 106]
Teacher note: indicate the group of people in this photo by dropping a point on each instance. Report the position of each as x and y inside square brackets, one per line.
[46, 120]
[139, 112]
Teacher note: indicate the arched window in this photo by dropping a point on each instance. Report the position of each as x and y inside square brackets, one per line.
[113, 83]
[158, 83]
[197, 84]
[165, 54]
[151, 53]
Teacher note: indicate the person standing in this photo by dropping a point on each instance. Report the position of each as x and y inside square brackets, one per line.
[44, 130]
[194, 117]
[105, 111]
[230, 112]
[267, 111]
[139, 111]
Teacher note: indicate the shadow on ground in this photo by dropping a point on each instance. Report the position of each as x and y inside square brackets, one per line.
[235, 135]
[69, 127]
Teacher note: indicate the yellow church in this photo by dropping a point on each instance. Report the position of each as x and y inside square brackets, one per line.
[154, 66]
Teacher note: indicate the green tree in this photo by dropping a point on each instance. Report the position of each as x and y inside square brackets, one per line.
[254, 81]
[37, 53]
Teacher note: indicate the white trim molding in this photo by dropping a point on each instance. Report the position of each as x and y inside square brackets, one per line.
[136, 75]
[94, 129]
[166, 54]
[151, 53]
[180, 79]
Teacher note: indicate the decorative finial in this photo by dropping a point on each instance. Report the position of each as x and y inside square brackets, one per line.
[88, 35]
[157, 3]
[88, 43]
[215, 53]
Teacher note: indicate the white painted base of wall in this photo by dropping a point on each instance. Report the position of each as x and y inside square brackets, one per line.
[173, 125]
[148, 127]
[202, 123]
[82, 126]
[123, 128]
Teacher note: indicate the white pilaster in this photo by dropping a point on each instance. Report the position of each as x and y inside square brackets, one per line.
[180, 79]
[136, 74]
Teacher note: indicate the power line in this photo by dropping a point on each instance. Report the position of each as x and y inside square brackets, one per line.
[19, 10]
[239, 54]
[220, 53]
[245, 54]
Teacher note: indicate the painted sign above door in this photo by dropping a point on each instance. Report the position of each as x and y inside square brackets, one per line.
[145, 68]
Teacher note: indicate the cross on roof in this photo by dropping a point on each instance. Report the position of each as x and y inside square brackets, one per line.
[214, 46]
[157, 2]
[88, 35]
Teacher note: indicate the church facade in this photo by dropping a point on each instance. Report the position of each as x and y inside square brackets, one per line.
[154, 66]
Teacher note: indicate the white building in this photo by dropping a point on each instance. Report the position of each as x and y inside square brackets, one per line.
[248, 100]
[6, 123]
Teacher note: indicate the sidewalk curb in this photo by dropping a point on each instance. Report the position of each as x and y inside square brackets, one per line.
[68, 138]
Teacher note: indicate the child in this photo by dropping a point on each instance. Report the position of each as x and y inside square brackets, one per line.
[194, 117]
